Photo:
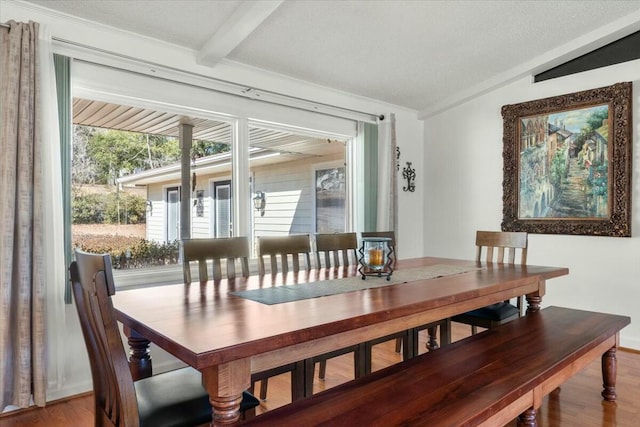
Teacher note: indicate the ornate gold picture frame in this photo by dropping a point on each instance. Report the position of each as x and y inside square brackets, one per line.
[567, 163]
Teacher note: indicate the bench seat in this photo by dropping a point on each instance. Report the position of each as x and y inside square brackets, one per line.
[486, 379]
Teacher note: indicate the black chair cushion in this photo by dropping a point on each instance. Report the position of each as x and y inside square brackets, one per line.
[494, 312]
[177, 398]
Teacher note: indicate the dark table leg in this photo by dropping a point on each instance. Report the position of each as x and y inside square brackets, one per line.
[432, 343]
[533, 304]
[535, 299]
[139, 357]
[527, 418]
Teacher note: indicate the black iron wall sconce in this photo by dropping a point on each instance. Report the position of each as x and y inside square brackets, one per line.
[259, 202]
[409, 174]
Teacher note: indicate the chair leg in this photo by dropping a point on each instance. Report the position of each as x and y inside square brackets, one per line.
[445, 332]
[413, 341]
[409, 344]
[263, 388]
[309, 374]
[297, 381]
[248, 414]
[323, 369]
[359, 360]
[474, 329]
[398, 345]
[368, 351]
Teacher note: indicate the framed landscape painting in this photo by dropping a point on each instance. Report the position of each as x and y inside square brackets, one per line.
[567, 163]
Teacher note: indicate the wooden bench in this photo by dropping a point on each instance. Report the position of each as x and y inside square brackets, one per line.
[488, 379]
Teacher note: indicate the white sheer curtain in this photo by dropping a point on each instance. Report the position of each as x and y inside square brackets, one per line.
[31, 256]
[387, 212]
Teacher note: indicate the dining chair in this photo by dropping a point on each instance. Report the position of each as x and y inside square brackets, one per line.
[402, 343]
[500, 247]
[339, 250]
[174, 398]
[214, 250]
[336, 249]
[280, 248]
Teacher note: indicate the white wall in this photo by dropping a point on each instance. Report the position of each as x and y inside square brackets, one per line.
[72, 372]
[463, 193]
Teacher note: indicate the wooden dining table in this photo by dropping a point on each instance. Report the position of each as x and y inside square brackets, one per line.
[227, 337]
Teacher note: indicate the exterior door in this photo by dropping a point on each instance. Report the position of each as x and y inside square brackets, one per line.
[223, 225]
[173, 214]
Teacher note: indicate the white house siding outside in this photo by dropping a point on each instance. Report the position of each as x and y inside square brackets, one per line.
[289, 191]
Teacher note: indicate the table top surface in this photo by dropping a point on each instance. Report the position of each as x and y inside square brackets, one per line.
[204, 321]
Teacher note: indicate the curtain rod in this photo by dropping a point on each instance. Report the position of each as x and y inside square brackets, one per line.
[234, 88]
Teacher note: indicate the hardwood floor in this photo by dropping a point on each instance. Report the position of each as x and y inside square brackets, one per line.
[576, 403]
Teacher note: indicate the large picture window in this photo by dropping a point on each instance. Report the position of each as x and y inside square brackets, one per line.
[127, 143]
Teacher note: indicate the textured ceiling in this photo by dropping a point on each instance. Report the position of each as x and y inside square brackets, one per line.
[410, 53]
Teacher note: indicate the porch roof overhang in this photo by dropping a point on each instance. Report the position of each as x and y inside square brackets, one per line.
[268, 144]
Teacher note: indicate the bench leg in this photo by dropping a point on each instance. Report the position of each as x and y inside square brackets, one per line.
[609, 373]
[527, 418]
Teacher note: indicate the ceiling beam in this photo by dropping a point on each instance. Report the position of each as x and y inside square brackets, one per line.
[244, 20]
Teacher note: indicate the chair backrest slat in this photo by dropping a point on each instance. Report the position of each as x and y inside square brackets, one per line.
[499, 243]
[281, 246]
[215, 250]
[92, 286]
[332, 245]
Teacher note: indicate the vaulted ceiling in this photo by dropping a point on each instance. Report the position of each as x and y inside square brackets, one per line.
[417, 54]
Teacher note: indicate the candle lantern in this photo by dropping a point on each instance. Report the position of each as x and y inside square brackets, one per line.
[375, 259]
